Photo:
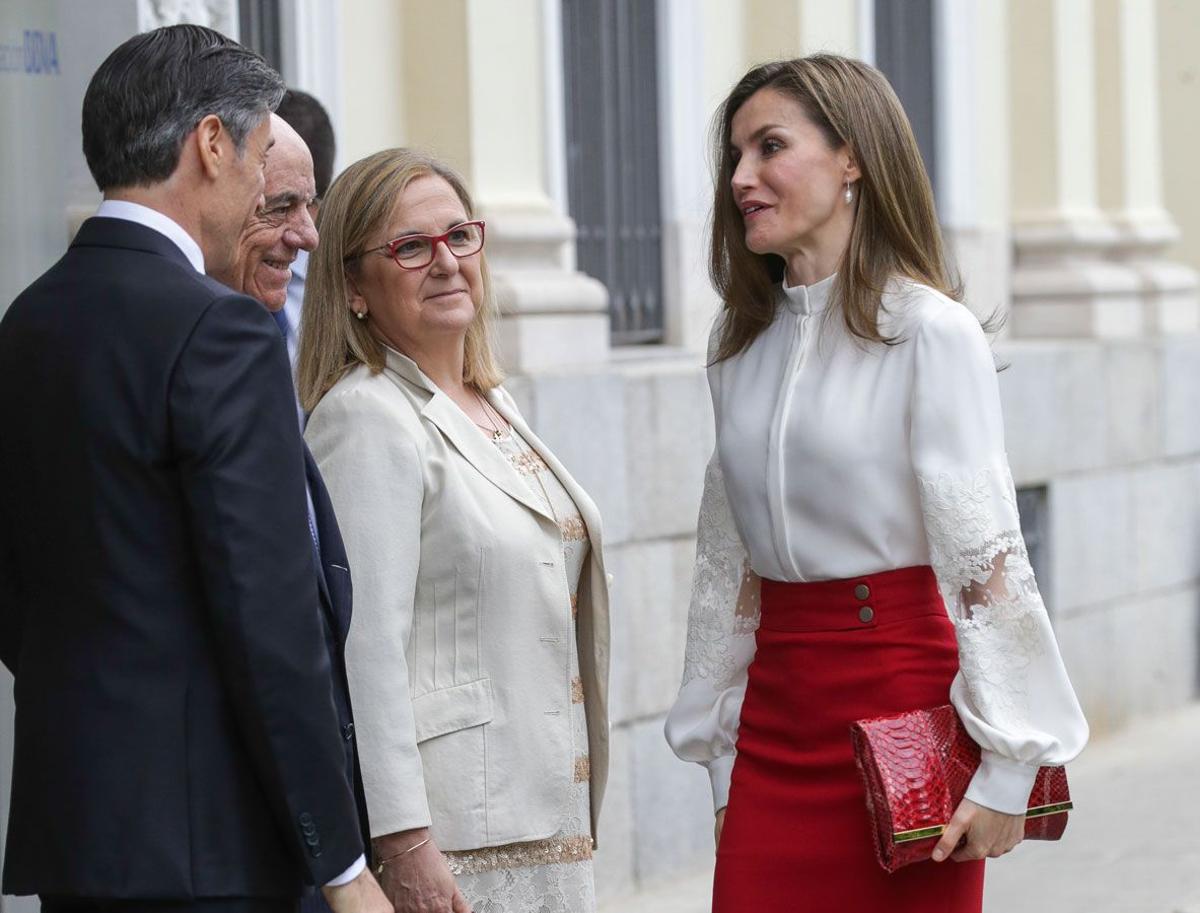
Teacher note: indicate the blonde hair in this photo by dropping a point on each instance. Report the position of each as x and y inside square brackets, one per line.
[895, 231]
[356, 207]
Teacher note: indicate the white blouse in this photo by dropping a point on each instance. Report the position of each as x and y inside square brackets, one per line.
[837, 458]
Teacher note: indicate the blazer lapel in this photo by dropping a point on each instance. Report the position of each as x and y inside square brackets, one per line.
[332, 551]
[468, 440]
[587, 508]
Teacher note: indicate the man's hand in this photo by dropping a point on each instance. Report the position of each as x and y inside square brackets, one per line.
[417, 881]
[988, 834]
[362, 895]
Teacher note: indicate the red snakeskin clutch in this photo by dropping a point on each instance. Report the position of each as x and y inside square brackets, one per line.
[916, 768]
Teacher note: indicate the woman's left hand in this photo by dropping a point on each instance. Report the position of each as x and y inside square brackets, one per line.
[989, 834]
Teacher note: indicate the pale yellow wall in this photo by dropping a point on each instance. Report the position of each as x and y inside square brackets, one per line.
[373, 90]
[772, 29]
[790, 28]
[1032, 106]
[725, 57]
[437, 75]
[1179, 87]
[508, 94]
[1109, 105]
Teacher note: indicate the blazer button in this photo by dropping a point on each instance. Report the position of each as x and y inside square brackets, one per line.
[348, 731]
[861, 592]
[865, 614]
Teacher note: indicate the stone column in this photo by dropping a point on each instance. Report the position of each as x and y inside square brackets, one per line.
[478, 90]
[1131, 162]
[971, 89]
[1064, 283]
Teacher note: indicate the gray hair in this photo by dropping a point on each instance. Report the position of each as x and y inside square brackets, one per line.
[153, 90]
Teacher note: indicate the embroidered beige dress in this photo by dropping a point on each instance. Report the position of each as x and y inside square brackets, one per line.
[552, 875]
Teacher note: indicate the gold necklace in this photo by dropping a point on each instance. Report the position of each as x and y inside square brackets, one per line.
[488, 409]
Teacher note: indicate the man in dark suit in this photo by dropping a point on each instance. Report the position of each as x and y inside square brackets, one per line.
[177, 744]
[274, 236]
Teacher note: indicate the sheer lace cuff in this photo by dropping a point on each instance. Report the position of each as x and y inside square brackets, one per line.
[1001, 784]
[1012, 694]
[722, 619]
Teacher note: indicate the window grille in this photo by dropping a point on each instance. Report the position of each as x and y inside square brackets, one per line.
[904, 50]
[258, 23]
[1033, 505]
[610, 61]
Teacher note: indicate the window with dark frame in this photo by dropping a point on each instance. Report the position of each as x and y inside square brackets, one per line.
[1033, 506]
[905, 36]
[258, 24]
[610, 62]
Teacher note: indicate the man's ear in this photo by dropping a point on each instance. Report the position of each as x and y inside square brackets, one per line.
[212, 152]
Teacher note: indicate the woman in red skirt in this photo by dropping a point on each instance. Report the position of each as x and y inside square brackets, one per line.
[859, 550]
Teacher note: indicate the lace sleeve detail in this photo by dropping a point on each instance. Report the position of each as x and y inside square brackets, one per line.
[1012, 691]
[986, 580]
[725, 591]
[722, 620]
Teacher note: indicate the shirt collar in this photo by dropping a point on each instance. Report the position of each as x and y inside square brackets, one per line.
[808, 299]
[155, 220]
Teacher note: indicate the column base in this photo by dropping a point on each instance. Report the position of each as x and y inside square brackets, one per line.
[551, 315]
[1076, 299]
[551, 319]
[1094, 277]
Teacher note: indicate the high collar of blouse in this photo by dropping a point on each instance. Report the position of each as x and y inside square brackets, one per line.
[808, 299]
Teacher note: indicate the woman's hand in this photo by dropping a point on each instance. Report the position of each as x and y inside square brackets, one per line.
[717, 827]
[418, 881]
[988, 834]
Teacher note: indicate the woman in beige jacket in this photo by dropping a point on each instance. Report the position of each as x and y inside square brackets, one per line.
[478, 654]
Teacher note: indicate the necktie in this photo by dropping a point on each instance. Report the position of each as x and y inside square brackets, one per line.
[281, 319]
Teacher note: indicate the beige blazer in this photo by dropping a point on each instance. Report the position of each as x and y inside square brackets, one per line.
[458, 653]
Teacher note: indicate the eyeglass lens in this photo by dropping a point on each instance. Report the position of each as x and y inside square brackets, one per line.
[417, 250]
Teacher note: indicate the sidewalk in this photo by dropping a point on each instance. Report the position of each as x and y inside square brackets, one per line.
[1133, 844]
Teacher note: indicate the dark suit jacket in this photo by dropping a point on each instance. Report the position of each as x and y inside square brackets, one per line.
[176, 732]
[333, 579]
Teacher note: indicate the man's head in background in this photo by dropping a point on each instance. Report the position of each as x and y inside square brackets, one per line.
[307, 117]
[274, 234]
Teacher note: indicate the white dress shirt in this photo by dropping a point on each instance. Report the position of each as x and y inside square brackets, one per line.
[164, 225]
[293, 307]
[838, 458]
[152, 218]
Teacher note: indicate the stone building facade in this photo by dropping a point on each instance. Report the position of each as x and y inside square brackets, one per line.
[1062, 137]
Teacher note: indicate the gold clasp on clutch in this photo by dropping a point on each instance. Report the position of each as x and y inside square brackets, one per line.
[937, 830]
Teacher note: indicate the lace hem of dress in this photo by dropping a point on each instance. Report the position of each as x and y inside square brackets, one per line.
[725, 591]
[553, 851]
[988, 585]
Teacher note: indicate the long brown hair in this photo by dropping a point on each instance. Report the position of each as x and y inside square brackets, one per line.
[895, 231]
[358, 205]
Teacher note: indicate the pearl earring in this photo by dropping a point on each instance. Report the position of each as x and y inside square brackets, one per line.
[361, 315]
[848, 196]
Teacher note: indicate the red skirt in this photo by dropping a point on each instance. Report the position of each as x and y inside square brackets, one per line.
[796, 835]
